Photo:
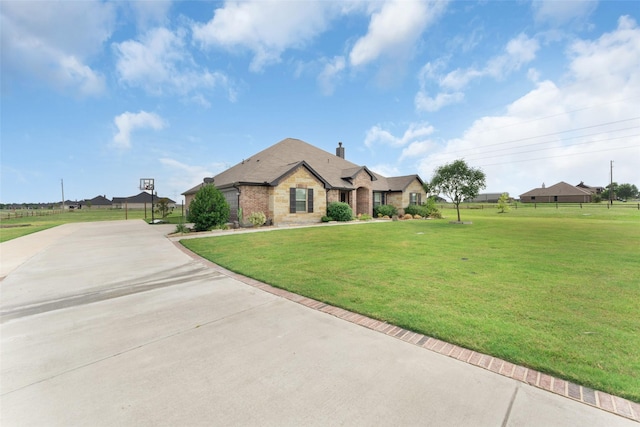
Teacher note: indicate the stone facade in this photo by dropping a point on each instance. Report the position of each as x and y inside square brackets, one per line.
[279, 198]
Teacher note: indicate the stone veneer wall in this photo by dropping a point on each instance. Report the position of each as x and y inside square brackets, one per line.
[279, 199]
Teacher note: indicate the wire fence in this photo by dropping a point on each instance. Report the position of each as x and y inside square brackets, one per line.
[552, 205]
[24, 213]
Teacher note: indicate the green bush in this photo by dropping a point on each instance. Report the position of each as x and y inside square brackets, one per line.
[326, 219]
[385, 210]
[208, 209]
[364, 217]
[339, 211]
[425, 210]
[181, 228]
[257, 218]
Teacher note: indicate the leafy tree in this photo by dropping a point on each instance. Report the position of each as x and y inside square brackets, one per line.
[208, 209]
[458, 181]
[162, 207]
[503, 203]
[606, 194]
[627, 191]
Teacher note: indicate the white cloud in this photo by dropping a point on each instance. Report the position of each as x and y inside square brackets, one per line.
[266, 28]
[566, 132]
[54, 42]
[330, 75]
[394, 29]
[160, 63]
[414, 133]
[128, 122]
[183, 176]
[518, 52]
[557, 13]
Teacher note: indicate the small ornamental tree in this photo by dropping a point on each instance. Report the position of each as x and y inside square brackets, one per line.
[208, 209]
[162, 206]
[503, 203]
[458, 181]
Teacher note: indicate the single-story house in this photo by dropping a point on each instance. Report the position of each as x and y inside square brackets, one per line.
[592, 189]
[559, 193]
[139, 201]
[293, 182]
[98, 202]
[485, 198]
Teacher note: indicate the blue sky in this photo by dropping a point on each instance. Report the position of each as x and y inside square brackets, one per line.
[100, 94]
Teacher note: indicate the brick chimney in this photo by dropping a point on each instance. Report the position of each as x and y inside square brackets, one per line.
[340, 150]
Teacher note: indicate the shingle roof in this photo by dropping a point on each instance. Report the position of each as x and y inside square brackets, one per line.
[99, 201]
[143, 197]
[559, 189]
[273, 163]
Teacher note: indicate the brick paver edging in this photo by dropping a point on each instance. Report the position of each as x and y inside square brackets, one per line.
[605, 401]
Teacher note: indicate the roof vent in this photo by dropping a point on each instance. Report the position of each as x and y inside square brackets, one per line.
[340, 150]
[208, 180]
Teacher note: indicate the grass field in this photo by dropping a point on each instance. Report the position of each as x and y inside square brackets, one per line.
[557, 290]
[34, 220]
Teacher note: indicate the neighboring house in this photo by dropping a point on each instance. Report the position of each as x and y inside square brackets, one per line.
[485, 198]
[560, 193]
[139, 201]
[98, 202]
[593, 190]
[293, 182]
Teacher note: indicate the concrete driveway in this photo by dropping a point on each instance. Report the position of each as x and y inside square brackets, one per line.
[111, 324]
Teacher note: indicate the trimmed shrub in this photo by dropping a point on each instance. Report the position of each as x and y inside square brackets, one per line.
[425, 210]
[407, 216]
[339, 211]
[326, 219]
[385, 210]
[208, 209]
[364, 217]
[257, 219]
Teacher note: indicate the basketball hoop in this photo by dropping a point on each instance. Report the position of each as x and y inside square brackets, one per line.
[146, 184]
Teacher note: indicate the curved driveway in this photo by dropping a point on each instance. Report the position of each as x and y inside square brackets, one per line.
[110, 323]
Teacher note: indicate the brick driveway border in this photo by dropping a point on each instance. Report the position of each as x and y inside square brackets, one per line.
[599, 399]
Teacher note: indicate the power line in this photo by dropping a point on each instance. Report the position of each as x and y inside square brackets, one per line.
[555, 148]
[561, 155]
[553, 133]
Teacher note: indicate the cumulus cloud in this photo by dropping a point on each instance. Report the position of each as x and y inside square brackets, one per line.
[159, 63]
[414, 133]
[182, 176]
[331, 73]
[517, 53]
[265, 28]
[558, 13]
[394, 29]
[128, 122]
[562, 132]
[55, 42]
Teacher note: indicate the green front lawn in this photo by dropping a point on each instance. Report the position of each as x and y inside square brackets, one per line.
[557, 292]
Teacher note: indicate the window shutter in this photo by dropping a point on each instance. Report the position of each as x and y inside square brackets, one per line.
[310, 200]
[292, 200]
[419, 198]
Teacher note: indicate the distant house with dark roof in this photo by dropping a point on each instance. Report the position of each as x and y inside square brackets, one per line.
[139, 201]
[485, 198]
[558, 193]
[593, 190]
[98, 202]
[293, 182]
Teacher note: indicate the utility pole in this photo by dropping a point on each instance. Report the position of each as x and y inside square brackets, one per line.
[611, 184]
[62, 185]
